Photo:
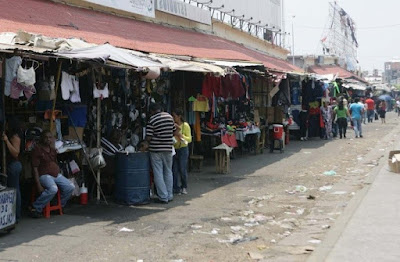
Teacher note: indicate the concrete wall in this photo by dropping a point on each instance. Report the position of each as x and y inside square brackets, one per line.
[217, 28]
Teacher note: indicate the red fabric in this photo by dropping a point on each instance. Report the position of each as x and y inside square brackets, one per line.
[97, 27]
[370, 104]
[230, 140]
[232, 86]
[211, 84]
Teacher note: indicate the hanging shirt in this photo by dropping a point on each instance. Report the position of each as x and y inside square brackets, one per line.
[12, 65]
[26, 77]
[100, 93]
[70, 88]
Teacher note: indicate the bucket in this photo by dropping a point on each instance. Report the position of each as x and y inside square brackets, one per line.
[132, 178]
[83, 195]
[278, 131]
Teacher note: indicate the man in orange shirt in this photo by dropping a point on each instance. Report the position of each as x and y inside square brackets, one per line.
[370, 109]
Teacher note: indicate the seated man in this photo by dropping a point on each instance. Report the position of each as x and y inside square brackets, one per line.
[47, 175]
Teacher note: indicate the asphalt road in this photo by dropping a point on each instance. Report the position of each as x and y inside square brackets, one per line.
[272, 207]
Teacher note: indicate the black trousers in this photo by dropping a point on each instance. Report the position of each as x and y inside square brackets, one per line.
[342, 123]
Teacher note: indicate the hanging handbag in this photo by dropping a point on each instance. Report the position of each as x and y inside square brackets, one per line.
[96, 158]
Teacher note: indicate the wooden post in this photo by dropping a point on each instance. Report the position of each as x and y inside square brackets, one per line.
[58, 78]
[98, 130]
[4, 162]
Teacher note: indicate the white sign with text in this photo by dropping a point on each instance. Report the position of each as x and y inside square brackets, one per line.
[7, 208]
[184, 10]
[140, 7]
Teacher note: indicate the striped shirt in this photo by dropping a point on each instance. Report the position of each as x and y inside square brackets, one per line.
[160, 129]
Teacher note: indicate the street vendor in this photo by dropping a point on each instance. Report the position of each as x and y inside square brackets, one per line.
[47, 176]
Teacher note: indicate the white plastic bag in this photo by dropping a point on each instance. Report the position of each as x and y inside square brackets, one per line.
[96, 158]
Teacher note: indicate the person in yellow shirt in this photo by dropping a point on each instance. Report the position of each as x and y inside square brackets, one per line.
[182, 140]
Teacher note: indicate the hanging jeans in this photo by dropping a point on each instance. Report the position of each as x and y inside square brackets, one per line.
[180, 169]
[357, 126]
[14, 170]
[342, 123]
[51, 186]
[161, 162]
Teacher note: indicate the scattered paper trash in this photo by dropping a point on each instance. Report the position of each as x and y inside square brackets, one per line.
[196, 226]
[301, 189]
[300, 211]
[177, 260]
[326, 226]
[314, 241]
[339, 193]
[226, 219]
[273, 241]
[255, 256]
[245, 239]
[124, 229]
[325, 188]
[262, 247]
[330, 173]
[236, 228]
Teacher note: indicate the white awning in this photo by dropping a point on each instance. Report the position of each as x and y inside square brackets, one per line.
[109, 52]
[191, 66]
[231, 63]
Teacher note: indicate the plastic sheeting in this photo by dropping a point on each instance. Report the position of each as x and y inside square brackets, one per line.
[108, 52]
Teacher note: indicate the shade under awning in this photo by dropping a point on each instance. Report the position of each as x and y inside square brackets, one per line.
[108, 52]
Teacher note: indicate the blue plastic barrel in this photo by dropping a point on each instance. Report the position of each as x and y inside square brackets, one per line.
[132, 178]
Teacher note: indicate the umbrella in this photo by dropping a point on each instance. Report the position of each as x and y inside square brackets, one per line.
[385, 97]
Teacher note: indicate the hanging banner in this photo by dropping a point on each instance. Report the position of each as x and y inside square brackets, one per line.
[140, 7]
[7, 208]
[184, 10]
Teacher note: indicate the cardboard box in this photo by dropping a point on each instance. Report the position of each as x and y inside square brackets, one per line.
[394, 156]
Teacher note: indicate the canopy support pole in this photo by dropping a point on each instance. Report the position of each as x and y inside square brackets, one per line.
[3, 144]
[98, 129]
[55, 99]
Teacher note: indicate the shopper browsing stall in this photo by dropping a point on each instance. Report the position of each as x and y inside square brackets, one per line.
[183, 138]
[356, 112]
[159, 133]
[47, 176]
[342, 113]
[12, 138]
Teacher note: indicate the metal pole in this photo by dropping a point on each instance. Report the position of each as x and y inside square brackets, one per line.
[98, 144]
[293, 41]
[3, 144]
[58, 77]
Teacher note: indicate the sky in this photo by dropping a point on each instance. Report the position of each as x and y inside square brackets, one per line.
[378, 28]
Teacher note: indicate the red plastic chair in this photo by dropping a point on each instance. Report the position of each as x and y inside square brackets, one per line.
[48, 208]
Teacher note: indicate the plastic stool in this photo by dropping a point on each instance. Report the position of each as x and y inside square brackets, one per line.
[48, 208]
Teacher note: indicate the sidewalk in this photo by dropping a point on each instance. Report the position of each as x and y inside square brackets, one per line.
[370, 231]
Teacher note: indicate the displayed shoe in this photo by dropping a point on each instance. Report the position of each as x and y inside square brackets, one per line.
[184, 191]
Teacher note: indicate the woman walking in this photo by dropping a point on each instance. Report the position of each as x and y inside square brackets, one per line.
[342, 114]
[327, 116]
[183, 139]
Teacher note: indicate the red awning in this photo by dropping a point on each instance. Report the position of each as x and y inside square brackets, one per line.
[334, 69]
[59, 20]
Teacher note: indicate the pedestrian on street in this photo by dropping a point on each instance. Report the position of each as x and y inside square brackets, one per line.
[382, 111]
[356, 111]
[342, 113]
[160, 132]
[370, 109]
[327, 117]
[183, 138]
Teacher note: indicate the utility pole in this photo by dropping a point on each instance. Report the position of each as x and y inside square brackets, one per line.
[293, 62]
